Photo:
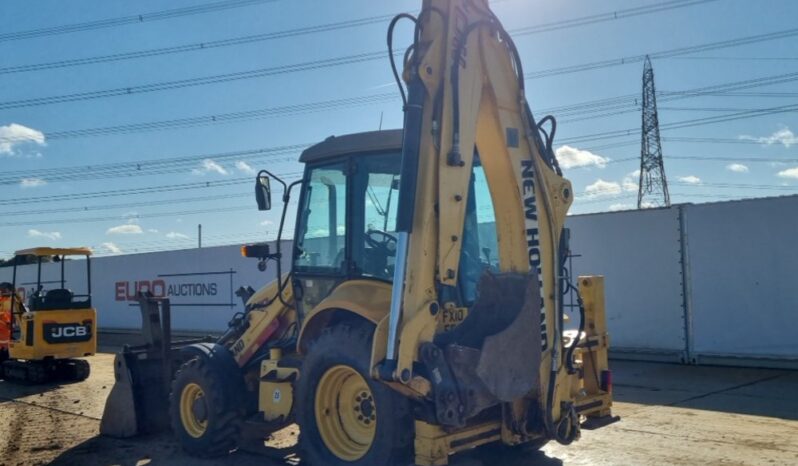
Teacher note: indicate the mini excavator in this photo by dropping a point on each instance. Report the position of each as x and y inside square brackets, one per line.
[423, 313]
[41, 340]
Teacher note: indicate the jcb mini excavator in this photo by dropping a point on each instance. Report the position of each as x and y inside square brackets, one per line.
[423, 313]
[41, 339]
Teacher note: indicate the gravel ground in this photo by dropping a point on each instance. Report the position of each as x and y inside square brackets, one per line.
[671, 415]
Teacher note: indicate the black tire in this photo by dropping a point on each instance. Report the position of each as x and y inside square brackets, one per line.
[223, 415]
[351, 346]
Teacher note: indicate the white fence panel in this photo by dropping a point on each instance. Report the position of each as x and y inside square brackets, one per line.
[639, 254]
[743, 265]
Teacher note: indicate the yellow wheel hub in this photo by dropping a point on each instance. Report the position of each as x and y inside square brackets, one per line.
[346, 414]
[193, 410]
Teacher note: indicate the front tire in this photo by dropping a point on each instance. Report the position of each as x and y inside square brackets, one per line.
[203, 417]
[345, 417]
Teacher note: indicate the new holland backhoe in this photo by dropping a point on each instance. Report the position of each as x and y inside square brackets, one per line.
[41, 339]
[423, 311]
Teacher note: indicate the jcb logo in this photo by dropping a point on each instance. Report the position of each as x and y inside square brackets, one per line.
[67, 333]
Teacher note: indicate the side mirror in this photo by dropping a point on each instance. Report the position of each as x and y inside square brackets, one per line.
[263, 192]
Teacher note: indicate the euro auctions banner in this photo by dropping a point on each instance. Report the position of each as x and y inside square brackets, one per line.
[200, 284]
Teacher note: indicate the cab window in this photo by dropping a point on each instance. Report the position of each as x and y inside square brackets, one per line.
[321, 241]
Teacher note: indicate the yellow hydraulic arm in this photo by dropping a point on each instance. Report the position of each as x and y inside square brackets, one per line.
[465, 94]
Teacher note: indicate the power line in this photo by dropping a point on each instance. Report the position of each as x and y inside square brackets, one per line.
[130, 19]
[608, 16]
[148, 167]
[137, 191]
[352, 59]
[625, 103]
[191, 82]
[738, 58]
[221, 118]
[126, 192]
[178, 164]
[62, 221]
[196, 46]
[714, 158]
[769, 187]
[128, 205]
[710, 140]
[663, 54]
[685, 123]
[253, 38]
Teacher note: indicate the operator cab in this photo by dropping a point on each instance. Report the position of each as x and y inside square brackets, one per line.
[346, 220]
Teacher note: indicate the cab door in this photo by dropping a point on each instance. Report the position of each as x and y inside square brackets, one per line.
[320, 248]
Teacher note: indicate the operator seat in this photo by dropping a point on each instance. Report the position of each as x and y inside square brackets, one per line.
[58, 298]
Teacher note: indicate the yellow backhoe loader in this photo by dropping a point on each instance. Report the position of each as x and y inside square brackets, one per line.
[423, 312]
[41, 339]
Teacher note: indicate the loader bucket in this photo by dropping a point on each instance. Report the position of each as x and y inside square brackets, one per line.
[119, 420]
[139, 400]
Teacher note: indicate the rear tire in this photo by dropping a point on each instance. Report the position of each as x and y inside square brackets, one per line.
[203, 416]
[338, 425]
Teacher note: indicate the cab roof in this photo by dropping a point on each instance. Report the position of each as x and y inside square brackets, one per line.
[45, 251]
[372, 141]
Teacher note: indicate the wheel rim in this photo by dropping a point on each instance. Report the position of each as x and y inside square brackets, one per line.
[346, 414]
[193, 410]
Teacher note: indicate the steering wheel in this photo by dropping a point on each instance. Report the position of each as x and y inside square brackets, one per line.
[380, 240]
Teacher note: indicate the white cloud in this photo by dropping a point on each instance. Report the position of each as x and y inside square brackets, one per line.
[176, 235]
[621, 206]
[244, 167]
[127, 229]
[51, 235]
[152, 230]
[111, 248]
[789, 173]
[602, 188]
[31, 182]
[737, 168]
[570, 157]
[13, 136]
[691, 179]
[209, 166]
[631, 181]
[783, 136]
[267, 223]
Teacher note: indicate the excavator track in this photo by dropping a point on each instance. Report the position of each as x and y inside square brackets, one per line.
[40, 372]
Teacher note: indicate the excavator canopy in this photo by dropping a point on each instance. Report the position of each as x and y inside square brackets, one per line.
[45, 251]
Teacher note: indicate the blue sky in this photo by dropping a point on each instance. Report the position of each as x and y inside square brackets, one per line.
[758, 152]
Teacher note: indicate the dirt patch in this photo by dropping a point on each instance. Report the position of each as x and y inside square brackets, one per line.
[59, 425]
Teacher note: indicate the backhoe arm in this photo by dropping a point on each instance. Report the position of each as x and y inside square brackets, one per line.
[466, 96]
